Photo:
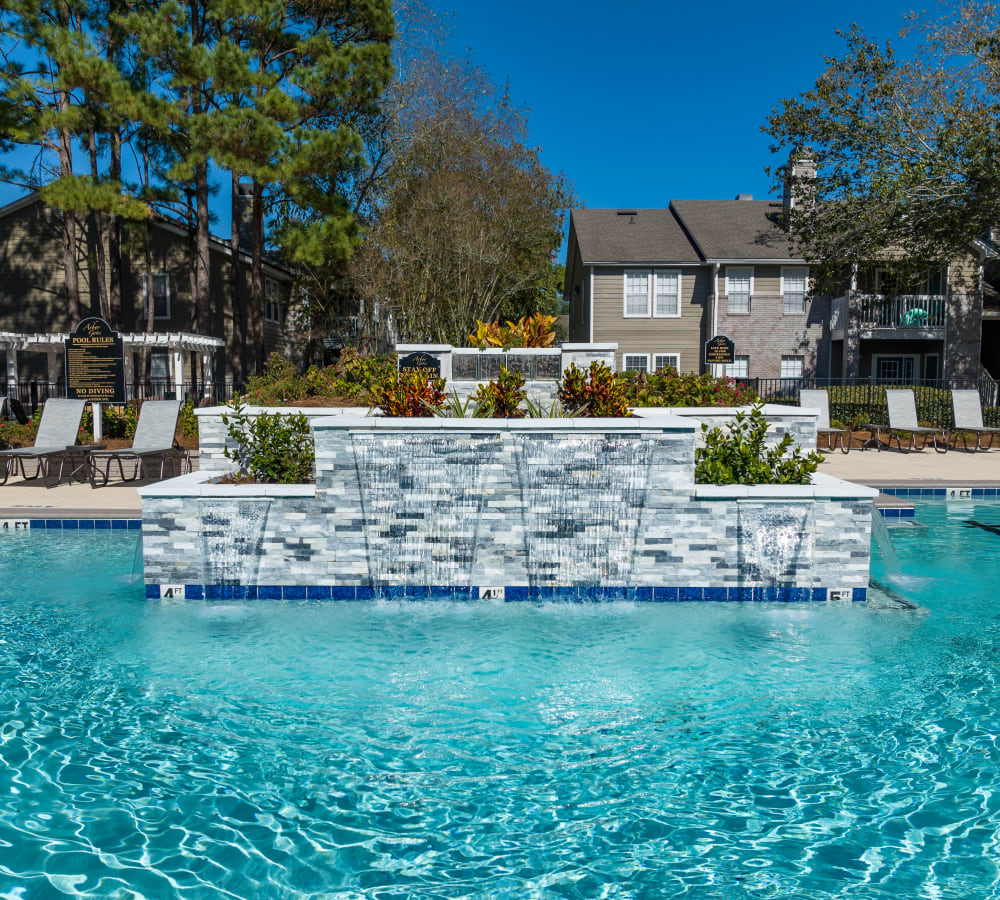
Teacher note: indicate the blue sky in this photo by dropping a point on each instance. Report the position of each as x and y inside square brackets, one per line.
[640, 103]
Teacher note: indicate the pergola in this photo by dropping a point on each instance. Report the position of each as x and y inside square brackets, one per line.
[53, 344]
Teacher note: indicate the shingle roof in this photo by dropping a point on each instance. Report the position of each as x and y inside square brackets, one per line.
[648, 235]
[735, 229]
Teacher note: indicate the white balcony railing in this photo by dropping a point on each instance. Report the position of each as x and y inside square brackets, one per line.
[917, 311]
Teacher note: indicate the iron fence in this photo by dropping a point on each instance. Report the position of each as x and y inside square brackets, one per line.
[32, 394]
[857, 401]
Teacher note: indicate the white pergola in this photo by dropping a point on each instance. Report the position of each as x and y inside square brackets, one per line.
[176, 343]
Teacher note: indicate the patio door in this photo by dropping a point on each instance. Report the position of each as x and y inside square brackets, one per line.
[896, 369]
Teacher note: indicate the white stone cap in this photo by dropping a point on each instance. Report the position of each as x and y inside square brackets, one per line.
[311, 412]
[458, 426]
[424, 348]
[823, 487]
[579, 348]
[769, 409]
[512, 351]
[198, 484]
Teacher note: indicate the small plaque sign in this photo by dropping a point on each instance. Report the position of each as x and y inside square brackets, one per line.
[420, 362]
[172, 592]
[95, 363]
[720, 351]
[9, 525]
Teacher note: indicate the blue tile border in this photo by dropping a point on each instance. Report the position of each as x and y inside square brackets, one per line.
[940, 491]
[116, 524]
[512, 594]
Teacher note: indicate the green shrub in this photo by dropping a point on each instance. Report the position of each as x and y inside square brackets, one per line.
[666, 387]
[501, 399]
[14, 434]
[596, 391]
[187, 421]
[271, 448]
[738, 455]
[346, 383]
[116, 421]
[412, 394]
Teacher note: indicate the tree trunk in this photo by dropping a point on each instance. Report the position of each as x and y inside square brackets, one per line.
[201, 263]
[115, 237]
[71, 276]
[97, 232]
[257, 276]
[235, 295]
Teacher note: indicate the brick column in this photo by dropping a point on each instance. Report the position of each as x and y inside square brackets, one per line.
[852, 336]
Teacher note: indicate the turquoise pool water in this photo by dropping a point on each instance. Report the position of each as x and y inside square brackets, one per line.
[276, 750]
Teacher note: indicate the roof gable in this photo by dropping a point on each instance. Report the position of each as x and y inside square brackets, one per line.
[736, 229]
[630, 235]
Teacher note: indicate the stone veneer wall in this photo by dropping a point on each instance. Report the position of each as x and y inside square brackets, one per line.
[524, 504]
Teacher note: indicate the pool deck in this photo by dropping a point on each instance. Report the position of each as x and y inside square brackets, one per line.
[21, 499]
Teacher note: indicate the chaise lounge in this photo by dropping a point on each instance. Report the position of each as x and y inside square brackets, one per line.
[968, 409]
[57, 432]
[820, 401]
[153, 441]
[903, 419]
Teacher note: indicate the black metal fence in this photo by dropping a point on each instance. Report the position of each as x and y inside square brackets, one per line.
[33, 394]
[855, 402]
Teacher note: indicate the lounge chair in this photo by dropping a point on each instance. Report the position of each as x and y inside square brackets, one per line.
[153, 440]
[820, 401]
[968, 411]
[58, 430]
[903, 418]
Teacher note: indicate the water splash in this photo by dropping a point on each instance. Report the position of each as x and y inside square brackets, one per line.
[422, 501]
[137, 568]
[232, 532]
[880, 532]
[775, 541]
[583, 498]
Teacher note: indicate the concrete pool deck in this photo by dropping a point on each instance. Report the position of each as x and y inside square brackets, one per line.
[956, 468]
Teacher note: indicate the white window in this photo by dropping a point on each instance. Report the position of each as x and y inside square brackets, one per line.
[636, 362]
[739, 367]
[272, 306]
[794, 286]
[791, 366]
[637, 293]
[654, 292]
[160, 295]
[666, 361]
[739, 288]
[159, 366]
[667, 293]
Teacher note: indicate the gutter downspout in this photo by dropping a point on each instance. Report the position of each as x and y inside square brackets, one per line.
[590, 304]
[716, 370]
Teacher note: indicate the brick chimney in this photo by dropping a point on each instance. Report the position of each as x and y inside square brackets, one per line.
[244, 202]
[799, 172]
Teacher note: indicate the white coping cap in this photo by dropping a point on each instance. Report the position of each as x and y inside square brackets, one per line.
[437, 423]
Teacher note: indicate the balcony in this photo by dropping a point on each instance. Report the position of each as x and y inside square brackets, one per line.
[908, 316]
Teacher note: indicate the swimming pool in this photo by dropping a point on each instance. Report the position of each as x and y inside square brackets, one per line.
[281, 749]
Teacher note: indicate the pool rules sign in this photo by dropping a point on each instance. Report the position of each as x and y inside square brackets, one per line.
[95, 363]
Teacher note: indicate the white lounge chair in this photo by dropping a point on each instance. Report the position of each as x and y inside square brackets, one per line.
[58, 431]
[153, 440]
[968, 409]
[820, 401]
[903, 418]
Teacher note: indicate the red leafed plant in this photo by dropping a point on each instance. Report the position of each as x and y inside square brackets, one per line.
[412, 394]
[597, 389]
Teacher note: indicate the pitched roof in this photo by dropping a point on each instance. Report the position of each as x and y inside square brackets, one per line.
[735, 229]
[630, 235]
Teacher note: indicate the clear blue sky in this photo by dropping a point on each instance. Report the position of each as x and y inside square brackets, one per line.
[640, 103]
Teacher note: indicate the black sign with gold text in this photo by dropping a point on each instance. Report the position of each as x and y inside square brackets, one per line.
[95, 363]
[420, 362]
[720, 351]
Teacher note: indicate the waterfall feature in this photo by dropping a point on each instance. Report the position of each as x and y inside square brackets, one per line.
[884, 542]
[232, 532]
[137, 559]
[775, 539]
[583, 497]
[422, 500]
